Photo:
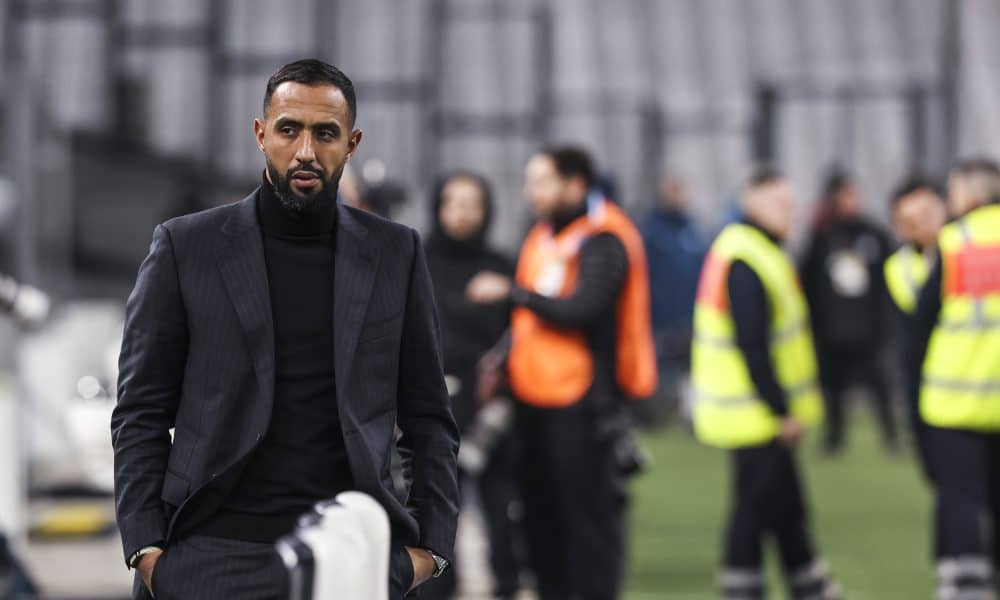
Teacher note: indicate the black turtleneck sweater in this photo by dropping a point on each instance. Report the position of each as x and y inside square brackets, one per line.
[302, 458]
[468, 329]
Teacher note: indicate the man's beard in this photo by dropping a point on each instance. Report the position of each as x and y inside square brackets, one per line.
[313, 203]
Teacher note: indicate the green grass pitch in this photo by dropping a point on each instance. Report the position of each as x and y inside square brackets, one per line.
[870, 513]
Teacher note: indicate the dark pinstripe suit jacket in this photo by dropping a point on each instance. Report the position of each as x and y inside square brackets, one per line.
[198, 356]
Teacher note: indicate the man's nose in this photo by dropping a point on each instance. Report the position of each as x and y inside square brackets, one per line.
[305, 153]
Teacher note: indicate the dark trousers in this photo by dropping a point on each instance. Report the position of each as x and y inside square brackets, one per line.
[767, 498]
[497, 492]
[499, 497]
[574, 503]
[205, 567]
[966, 468]
[840, 369]
[921, 432]
[212, 567]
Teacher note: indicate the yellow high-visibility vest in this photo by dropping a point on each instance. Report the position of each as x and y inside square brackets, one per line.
[906, 272]
[961, 371]
[728, 412]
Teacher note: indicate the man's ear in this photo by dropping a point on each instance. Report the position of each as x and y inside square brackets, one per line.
[354, 142]
[258, 132]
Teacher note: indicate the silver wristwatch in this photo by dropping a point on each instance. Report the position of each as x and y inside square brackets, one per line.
[441, 562]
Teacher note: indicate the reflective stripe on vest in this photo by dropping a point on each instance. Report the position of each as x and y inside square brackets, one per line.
[552, 367]
[961, 371]
[906, 272]
[728, 413]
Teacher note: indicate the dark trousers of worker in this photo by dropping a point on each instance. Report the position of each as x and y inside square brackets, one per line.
[767, 499]
[839, 370]
[921, 432]
[574, 503]
[966, 467]
[201, 567]
[498, 494]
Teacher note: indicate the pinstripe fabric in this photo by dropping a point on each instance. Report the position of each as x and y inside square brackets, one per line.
[201, 567]
[206, 567]
[198, 356]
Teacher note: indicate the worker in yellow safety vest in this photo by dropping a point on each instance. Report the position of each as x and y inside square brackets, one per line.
[955, 353]
[755, 381]
[918, 213]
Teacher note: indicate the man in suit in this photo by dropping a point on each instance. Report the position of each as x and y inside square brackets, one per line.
[282, 338]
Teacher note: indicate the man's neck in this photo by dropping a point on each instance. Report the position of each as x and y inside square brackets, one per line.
[777, 239]
[567, 214]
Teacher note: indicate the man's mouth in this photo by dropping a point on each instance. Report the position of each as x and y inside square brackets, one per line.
[305, 180]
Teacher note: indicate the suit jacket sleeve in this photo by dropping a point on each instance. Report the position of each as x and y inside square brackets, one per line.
[424, 416]
[151, 371]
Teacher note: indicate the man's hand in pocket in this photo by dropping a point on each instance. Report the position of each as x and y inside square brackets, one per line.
[147, 562]
[423, 565]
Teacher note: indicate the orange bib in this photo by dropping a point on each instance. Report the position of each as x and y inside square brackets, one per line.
[553, 368]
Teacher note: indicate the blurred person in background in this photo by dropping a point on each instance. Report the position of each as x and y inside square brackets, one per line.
[842, 274]
[29, 307]
[457, 251]
[26, 304]
[350, 190]
[581, 342]
[755, 383]
[918, 213]
[380, 197]
[284, 339]
[955, 360]
[383, 198]
[675, 249]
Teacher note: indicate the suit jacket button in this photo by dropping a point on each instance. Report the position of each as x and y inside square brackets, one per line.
[214, 475]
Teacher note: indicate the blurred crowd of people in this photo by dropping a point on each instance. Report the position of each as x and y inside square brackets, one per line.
[543, 357]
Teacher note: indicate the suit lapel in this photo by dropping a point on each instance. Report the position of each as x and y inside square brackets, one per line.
[244, 273]
[355, 264]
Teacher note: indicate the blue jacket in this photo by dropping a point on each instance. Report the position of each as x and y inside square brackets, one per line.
[675, 250]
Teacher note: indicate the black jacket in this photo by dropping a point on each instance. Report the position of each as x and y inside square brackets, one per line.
[751, 311]
[844, 284]
[198, 356]
[468, 330]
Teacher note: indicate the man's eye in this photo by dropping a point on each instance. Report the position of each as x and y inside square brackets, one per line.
[287, 130]
[326, 134]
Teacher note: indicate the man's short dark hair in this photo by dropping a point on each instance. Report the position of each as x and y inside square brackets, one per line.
[979, 164]
[763, 175]
[311, 71]
[837, 179]
[982, 175]
[913, 182]
[572, 161]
